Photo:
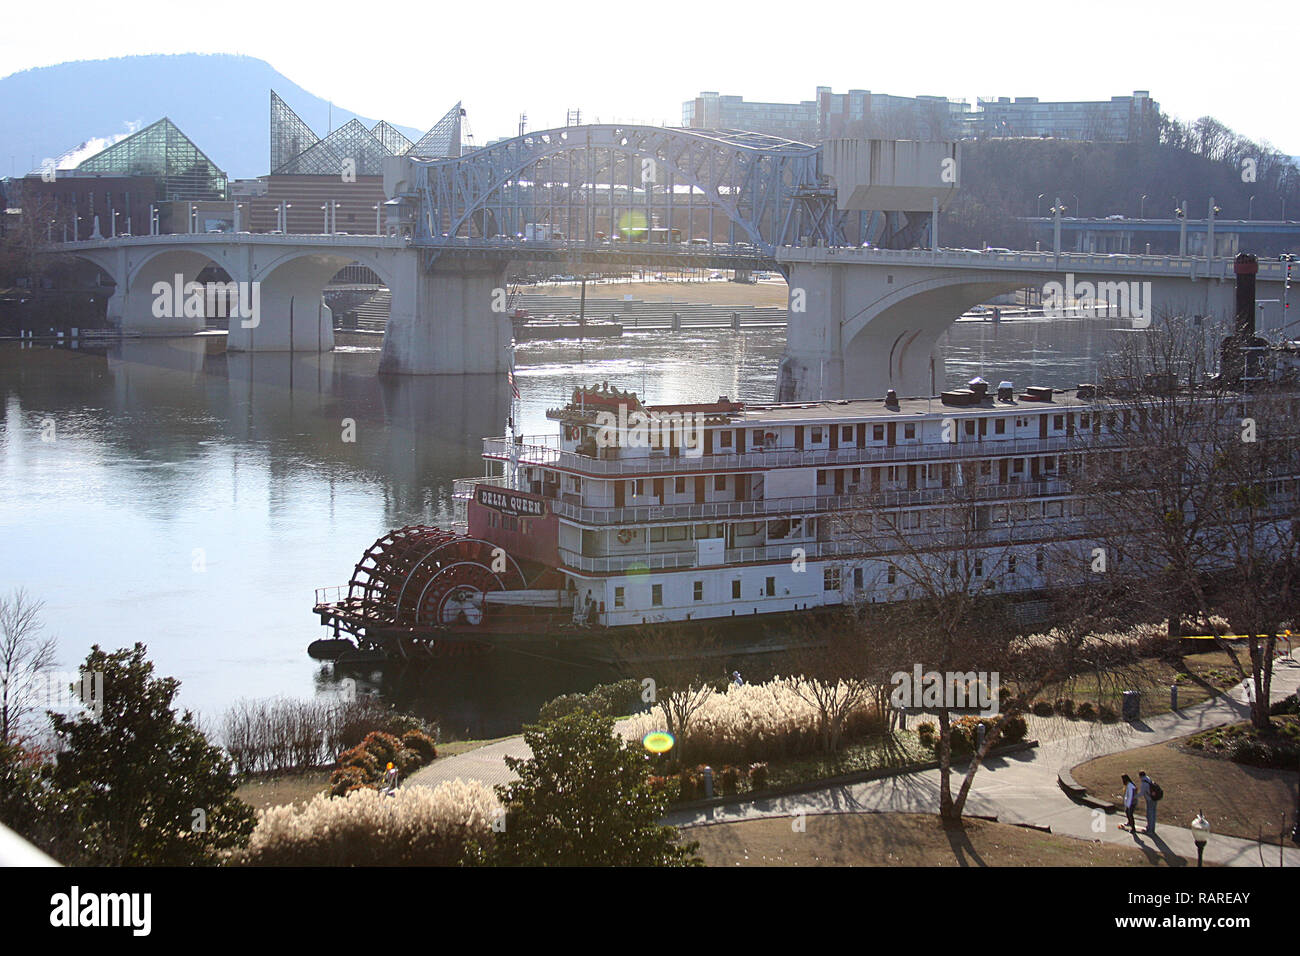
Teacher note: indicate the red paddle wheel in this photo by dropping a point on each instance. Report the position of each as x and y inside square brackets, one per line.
[424, 579]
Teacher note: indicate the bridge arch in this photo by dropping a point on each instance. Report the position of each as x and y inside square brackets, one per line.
[139, 303]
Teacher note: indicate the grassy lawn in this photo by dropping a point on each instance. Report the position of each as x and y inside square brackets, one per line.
[262, 793]
[451, 748]
[1206, 675]
[876, 753]
[900, 839]
[1237, 800]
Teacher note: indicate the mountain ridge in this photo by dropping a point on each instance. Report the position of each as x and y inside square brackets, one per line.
[46, 111]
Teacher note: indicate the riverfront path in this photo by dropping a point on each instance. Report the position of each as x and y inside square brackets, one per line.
[1019, 788]
[1022, 788]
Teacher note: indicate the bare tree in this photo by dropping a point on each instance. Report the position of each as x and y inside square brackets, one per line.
[950, 602]
[1195, 478]
[840, 666]
[25, 658]
[676, 658]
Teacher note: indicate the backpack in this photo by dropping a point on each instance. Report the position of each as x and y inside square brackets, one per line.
[1157, 793]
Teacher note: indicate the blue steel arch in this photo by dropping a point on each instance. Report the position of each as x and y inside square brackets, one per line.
[772, 189]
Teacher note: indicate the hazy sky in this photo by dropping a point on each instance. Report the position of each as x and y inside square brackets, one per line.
[639, 59]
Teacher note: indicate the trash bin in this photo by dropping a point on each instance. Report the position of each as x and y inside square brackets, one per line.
[1132, 705]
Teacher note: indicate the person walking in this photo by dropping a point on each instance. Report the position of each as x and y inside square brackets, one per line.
[389, 784]
[1149, 796]
[1130, 801]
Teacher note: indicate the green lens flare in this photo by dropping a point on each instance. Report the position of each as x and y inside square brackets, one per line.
[658, 742]
[632, 224]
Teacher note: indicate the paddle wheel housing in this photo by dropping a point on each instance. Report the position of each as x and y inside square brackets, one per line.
[421, 577]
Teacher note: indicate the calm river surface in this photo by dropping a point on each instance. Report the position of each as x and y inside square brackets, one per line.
[163, 491]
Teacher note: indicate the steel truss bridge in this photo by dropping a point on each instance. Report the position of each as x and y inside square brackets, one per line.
[615, 194]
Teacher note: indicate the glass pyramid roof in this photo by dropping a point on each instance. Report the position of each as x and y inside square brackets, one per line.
[169, 156]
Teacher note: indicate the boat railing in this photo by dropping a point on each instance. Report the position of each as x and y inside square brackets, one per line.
[863, 501]
[331, 595]
[546, 456]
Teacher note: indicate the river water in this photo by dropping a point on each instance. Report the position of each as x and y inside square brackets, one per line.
[164, 491]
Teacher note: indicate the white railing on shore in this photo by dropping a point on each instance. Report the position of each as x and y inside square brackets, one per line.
[15, 851]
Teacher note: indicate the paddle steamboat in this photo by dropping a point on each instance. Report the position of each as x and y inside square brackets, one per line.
[732, 515]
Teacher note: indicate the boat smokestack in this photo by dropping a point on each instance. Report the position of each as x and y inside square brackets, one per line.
[1246, 266]
[1243, 350]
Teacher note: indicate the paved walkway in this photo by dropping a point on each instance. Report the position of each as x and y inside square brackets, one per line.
[1020, 788]
[486, 763]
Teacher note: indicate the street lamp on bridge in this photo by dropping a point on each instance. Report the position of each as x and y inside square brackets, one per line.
[1142, 205]
[1040, 205]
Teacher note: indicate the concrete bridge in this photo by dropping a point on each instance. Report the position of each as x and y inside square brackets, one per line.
[862, 320]
[866, 320]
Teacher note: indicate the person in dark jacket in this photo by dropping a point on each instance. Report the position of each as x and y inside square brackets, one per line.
[1150, 802]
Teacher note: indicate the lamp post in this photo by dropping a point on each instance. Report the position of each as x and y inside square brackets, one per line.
[1040, 205]
[1142, 205]
[1201, 834]
[1181, 213]
[1078, 209]
[1056, 211]
[325, 223]
[1250, 208]
[1209, 232]
[153, 219]
[377, 230]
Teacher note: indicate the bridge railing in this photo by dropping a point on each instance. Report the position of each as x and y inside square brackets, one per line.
[1194, 266]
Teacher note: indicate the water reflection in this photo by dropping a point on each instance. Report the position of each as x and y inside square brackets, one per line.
[193, 499]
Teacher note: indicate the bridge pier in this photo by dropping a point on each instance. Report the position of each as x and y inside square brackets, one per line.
[291, 314]
[443, 322]
[846, 339]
